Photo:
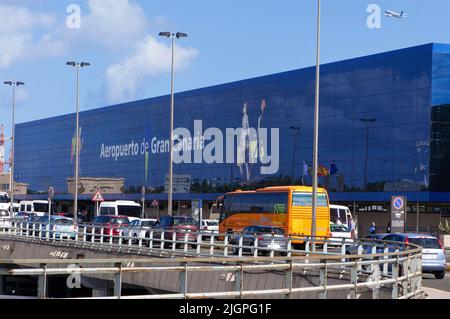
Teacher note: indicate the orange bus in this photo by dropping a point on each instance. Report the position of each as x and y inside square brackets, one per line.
[287, 207]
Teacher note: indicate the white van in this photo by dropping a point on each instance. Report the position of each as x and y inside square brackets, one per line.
[39, 207]
[130, 209]
[340, 222]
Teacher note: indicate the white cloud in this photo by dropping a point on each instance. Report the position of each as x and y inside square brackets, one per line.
[110, 23]
[16, 35]
[151, 58]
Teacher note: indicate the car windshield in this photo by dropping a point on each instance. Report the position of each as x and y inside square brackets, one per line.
[428, 243]
[148, 223]
[268, 230]
[64, 222]
[120, 221]
[338, 228]
[184, 222]
[212, 223]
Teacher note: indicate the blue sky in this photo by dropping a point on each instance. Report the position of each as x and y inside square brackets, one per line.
[228, 40]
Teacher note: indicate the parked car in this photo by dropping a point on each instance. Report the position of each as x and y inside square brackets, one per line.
[433, 253]
[112, 226]
[57, 227]
[368, 243]
[138, 228]
[25, 217]
[268, 238]
[181, 226]
[209, 227]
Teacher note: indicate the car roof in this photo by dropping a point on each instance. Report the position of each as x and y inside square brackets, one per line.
[415, 235]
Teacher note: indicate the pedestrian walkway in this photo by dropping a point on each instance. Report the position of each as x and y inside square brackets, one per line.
[436, 294]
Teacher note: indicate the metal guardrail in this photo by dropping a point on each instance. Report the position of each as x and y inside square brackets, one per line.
[403, 282]
[188, 244]
[369, 264]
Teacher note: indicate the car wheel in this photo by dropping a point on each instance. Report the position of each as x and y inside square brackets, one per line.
[439, 275]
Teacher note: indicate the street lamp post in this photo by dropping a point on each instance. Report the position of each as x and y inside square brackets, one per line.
[11, 172]
[77, 66]
[172, 36]
[316, 135]
[297, 132]
[367, 122]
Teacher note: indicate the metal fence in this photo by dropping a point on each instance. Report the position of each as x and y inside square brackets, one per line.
[194, 244]
[357, 264]
[356, 274]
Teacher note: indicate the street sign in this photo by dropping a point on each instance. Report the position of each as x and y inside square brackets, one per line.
[155, 203]
[98, 197]
[398, 214]
[181, 184]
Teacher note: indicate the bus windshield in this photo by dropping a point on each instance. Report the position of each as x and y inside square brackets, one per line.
[130, 211]
[305, 200]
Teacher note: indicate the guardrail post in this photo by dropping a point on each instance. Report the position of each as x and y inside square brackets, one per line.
[225, 248]
[360, 252]
[199, 244]
[42, 283]
[272, 243]
[183, 280]
[354, 280]
[174, 241]
[163, 240]
[93, 235]
[150, 244]
[385, 264]
[212, 244]
[185, 243]
[239, 283]
[395, 267]
[241, 241]
[288, 278]
[289, 247]
[307, 249]
[118, 282]
[255, 247]
[376, 278]
[120, 237]
[323, 281]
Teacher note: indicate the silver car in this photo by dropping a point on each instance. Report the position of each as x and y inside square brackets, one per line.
[269, 238]
[433, 253]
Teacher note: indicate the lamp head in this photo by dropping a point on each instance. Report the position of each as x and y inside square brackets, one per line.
[72, 63]
[165, 34]
[181, 35]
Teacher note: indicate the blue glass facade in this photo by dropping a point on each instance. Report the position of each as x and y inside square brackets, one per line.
[384, 128]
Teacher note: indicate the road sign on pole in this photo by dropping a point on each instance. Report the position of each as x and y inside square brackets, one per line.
[398, 214]
[98, 197]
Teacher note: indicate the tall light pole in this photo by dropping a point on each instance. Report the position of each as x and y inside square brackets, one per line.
[297, 132]
[77, 66]
[13, 130]
[316, 134]
[172, 36]
[367, 122]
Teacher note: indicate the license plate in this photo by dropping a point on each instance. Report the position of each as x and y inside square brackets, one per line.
[429, 256]
[275, 246]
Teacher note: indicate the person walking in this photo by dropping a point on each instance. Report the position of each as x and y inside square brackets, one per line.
[373, 229]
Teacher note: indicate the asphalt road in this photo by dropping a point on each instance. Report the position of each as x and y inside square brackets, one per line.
[430, 282]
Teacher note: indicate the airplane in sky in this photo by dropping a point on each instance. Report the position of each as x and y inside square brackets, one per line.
[393, 14]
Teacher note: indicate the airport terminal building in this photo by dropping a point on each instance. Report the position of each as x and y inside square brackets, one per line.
[384, 131]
